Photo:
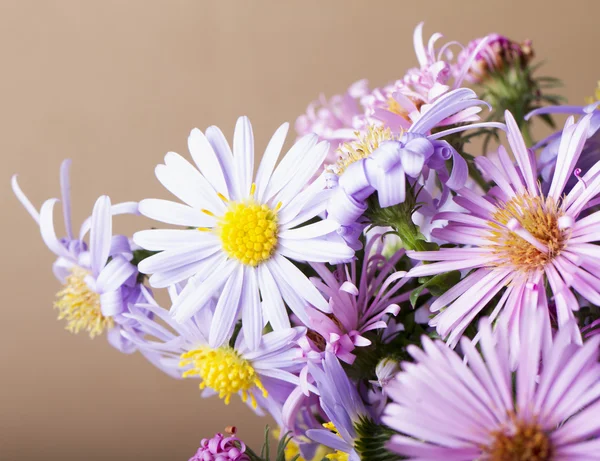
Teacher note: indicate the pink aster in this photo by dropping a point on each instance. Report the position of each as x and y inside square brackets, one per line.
[221, 448]
[361, 299]
[517, 236]
[447, 408]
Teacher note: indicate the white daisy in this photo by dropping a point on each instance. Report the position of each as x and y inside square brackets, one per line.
[241, 232]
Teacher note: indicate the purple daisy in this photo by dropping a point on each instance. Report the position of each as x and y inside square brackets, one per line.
[359, 302]
[447, 408]
[517, 236]
[381, 161]
[99, 281]
[241, 233]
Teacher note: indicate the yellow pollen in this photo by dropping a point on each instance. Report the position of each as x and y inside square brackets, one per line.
[537, 215]
[248, 231]
[336, 455]
[364, 146]
[527, 442]
[596, 97]
[224, 371]
[80, 306]
[222, 197]
[395, 108]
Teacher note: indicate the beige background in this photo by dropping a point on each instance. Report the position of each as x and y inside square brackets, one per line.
[116, 84]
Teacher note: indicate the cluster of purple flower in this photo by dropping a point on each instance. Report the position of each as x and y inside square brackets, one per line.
[378, 291]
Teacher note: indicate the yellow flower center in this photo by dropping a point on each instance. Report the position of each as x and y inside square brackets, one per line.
[224, 371]
[363, 147]
[80, 306]
[248, 231]
[538, 216]
[528, 443]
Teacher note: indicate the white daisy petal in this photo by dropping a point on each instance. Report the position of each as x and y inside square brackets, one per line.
[100, 234]
[299, 282]
[228, 307]
[166, 239]
[272, 303]
[217, 140]
[174, 213]
[208, 162]
[288, 166]
[185, 182]
[243, 154]
[301, 174]
[192, 298]
[317, 229]
[174, 258]
[252, 319]
[269, 159]
[316, 250]
[198, 269]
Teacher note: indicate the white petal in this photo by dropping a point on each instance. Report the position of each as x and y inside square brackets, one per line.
[252, 320]
[167, 239]
[228, 306]
[243, 155]
[316, 250]
[186, 183]
[221, 147]
[172, 259]
[274, 309]
[317, 229]
[269, 159]
[47, 230]
[198, 293]
[114, 274]
[174, 213]
[207, 161]
[100, 234]
[198, 269]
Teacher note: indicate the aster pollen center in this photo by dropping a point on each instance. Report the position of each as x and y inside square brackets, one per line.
[528, 442]
[224, 371]
[80, 306]
[248, 231]
[526, 231]
[363, 147]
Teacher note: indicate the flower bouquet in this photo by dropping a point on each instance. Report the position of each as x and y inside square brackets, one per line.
[415, 278]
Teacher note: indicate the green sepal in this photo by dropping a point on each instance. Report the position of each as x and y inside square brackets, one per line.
[371, 440]
[437, 285]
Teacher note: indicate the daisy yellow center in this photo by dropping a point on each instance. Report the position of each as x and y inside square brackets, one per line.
[224, 371]
[363, 147]
[80, 306]
[336, 455]
[596, 97]
[538, 216]
[248, 232]
[527, 443]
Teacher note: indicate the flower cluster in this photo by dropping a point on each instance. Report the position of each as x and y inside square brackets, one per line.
[379, 291]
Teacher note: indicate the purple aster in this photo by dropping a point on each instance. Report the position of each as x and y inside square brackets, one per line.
[241, 232]
[447, 408]
[182, 350]
[342, 405]
[221, 448]
[382, 161]
[516, 236]
[359, 302]
[99, 281]
[550, 145]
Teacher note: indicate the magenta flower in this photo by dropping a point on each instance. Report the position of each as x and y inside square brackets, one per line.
[359, 302]
[221, 448]
[516, 236]
[99, 281]
[447, 408]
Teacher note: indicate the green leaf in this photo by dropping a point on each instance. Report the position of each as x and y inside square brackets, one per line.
[437, 285]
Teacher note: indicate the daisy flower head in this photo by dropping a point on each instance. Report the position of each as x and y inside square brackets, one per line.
[516, 236]
[182, 350]
[362, 296]
[241, 231]
[445, 407]
[98, 277]
[342, 405]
